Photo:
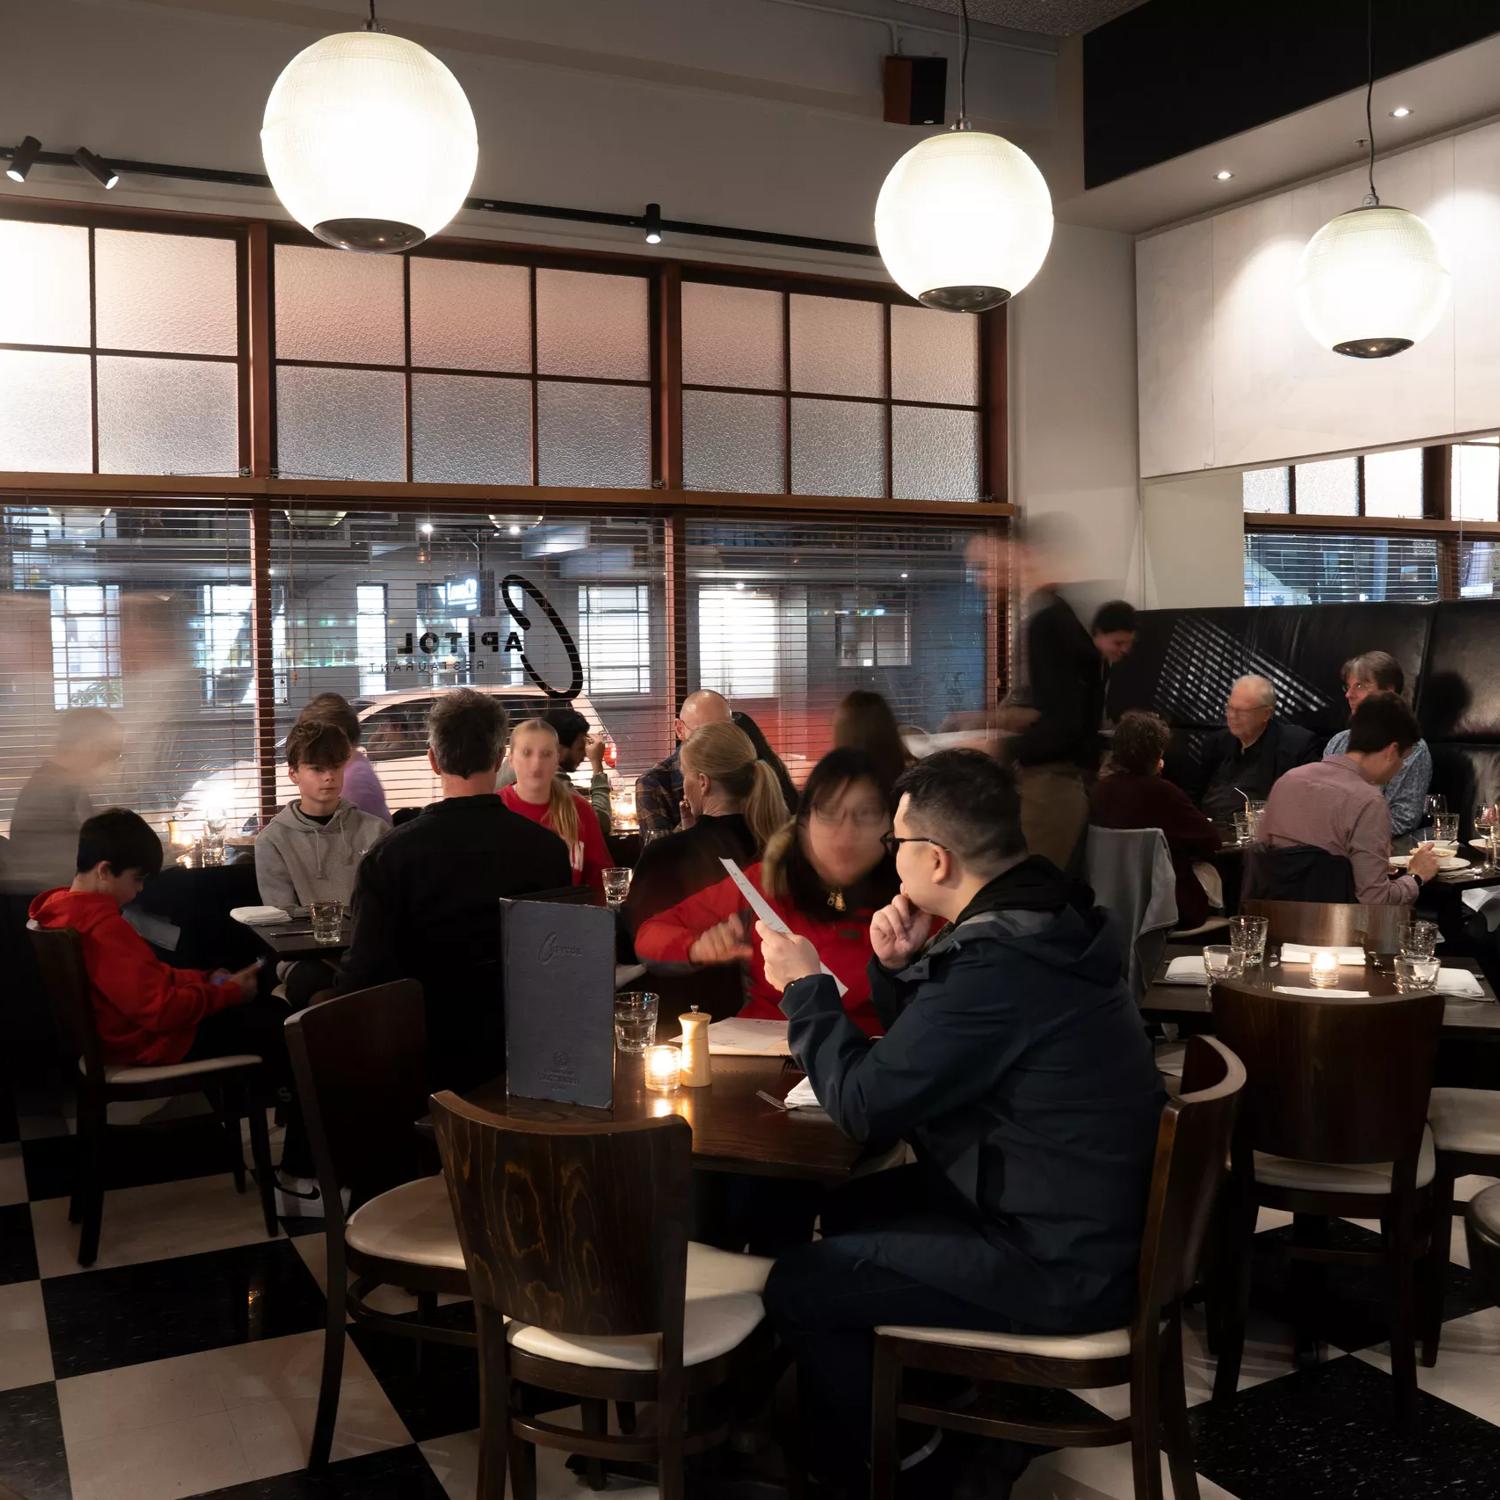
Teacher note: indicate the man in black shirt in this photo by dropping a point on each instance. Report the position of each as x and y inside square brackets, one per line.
[426, 900]
[1243, 760]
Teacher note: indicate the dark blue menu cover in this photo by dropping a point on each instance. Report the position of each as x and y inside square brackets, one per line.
[559, 1001]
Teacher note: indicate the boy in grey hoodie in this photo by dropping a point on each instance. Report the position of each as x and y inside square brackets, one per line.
[310, 851]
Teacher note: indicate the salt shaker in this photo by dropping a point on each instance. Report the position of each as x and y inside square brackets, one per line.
[696, 1071]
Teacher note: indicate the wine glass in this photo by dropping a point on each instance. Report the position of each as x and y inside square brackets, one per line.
[1487, 825]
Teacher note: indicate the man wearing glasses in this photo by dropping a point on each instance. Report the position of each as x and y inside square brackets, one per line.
[1244, 759]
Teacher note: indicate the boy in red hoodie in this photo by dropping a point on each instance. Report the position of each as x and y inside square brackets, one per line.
[148, 1013]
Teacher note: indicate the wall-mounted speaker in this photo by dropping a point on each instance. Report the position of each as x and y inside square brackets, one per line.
[916, 90]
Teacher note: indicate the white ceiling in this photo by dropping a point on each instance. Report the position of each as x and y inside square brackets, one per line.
[1048, 17]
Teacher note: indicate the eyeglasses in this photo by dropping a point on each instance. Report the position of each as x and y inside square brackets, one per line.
[893, 843]
[864, 818]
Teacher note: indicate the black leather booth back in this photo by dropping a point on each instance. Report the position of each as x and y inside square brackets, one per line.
[1185, 660]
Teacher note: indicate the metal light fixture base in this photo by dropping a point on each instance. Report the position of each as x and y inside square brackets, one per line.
[1372, 348]
[372, 236]
[964, 299]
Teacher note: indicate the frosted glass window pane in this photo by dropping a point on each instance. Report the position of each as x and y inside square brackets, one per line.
[733, 442]
[173, 292]
[1393, 483]
[588, 324]
[334, 305]
[838, 448]
[46, 278]
[340, 424]
[935, 453]
[731, 335]
[470, 431]
[594, 435]
[934, 356]
[1329, 488]
[1476, 481]
[466, 315]
[168, 416]
[44, 412]
[1266, 491]
[838, 346]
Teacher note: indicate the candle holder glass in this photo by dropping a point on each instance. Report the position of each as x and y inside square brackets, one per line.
[663, 1069]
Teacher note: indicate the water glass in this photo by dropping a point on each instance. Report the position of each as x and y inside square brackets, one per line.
[635, 1021]
[327, 919]
[1414, 974]
[1220, 961]
[1247, 935]
[1419, 939]
[1244, 828]
[616, 884]
[213, 840]
[1445, 833]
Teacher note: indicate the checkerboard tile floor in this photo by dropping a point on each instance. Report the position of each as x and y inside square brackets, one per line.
[185, 1362]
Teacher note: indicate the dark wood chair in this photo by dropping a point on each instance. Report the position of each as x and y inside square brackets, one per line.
[1192, 1146]
[1333, 1125]
[360, 1066]
[1299, 872]
[585, 1286]
[1482, 1226]
[1332, 924]
[229, 1084]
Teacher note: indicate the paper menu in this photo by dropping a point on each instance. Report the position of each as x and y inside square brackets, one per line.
[745, 1036]
[763, 909]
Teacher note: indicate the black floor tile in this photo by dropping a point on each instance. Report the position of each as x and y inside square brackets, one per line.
[395, 1474]
[32, 1460]
[1326, 1434]
[98, 1320]
[17, 1247]
[442, 1398]
[135, 1156]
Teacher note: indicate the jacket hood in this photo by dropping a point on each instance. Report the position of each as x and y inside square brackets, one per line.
[81, 910]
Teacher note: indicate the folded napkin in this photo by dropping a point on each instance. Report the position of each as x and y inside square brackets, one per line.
[1301, 953]
[1296, 989]
[1460, 983]
[1186, 970]
[259, 916]
[802, 1096]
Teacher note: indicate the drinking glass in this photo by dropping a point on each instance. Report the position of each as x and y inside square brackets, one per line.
[616, 884]
[1414, 974]
[1247, 935]
[213, 840]
[1220, 961]
[1243, 828]
[1487, 827]
[1419, 939]
[1433, 802]
[1445, 833]
[327, 920]
[635, 1021]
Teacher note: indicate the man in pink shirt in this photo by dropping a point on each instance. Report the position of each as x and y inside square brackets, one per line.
[1336, 804]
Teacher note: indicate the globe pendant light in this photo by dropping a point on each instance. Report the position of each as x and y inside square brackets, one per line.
[369, 140]
[1372, 282]
[964, 219]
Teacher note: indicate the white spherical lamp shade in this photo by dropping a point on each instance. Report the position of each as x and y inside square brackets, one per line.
[1372, 282]
[369, 141]
[964, 221]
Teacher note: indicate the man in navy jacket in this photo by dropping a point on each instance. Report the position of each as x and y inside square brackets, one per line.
[1016, 1065]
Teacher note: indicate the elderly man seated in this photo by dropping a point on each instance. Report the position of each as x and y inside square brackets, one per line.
[1243, 761]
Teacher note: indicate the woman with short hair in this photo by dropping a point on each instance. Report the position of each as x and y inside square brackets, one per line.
[1406, 791]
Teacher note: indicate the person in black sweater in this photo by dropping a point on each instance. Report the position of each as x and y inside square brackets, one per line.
[426, 899]
[736, 803]
[1243, 761]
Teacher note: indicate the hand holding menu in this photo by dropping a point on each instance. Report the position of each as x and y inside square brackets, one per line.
[764, 910]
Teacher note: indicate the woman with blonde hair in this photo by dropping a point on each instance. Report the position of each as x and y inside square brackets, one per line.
[537, 794]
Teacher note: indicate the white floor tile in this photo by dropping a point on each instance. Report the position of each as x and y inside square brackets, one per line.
[12, 1175]
[152, 1223]
[1467, 1373]
[163, 1462]
[1093, 1474]
[25, 1350]
[455, 1461]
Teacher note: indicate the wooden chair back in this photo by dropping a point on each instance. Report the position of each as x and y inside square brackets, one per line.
[1192, 1156]
[59, 957]
[1332, 1079]
[576, 1228]
[1334, 924]
[360, 1063]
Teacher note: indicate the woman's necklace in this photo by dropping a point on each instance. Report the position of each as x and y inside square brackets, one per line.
[836, 900]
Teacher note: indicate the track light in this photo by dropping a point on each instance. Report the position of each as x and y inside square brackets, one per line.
[653, 223]
[96, 168]
[25, 157]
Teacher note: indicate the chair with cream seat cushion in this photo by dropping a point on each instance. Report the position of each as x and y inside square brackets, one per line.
[360, 1062]
[1482, 1226]
[593, 1294]
[1333, 1125]
[228, 1083]
[1192, 1149]
[1466, 1128]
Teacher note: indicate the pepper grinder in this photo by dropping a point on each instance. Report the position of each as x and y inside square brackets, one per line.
[696, 1070]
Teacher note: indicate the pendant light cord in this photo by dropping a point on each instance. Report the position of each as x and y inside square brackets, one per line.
[963, 65]
[372, 24]
[1374, 198]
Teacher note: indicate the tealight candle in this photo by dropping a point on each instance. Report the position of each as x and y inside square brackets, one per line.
[1324, 969]
[663, 1069]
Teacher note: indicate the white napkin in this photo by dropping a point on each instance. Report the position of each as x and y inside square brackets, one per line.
[1294, 989]
[1186, 970]
[802, 1096]
[1460, 983]
[1300, 953]
[259, 916]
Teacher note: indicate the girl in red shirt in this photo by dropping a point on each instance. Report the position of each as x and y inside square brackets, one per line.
[538, 794]
[825, 875]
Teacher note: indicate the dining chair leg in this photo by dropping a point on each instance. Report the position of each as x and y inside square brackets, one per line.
[334, 1333]
[596, 1424]
[496, 1434]
[260, 1155]
[885, 1397]
[1176, 1435]
[1403, 1281]
[1145, 1422]
[93, 1122]
[671, 1416]
[1434, 1275]
[1306, 1277]
[1234, 1305]
[227, 1101]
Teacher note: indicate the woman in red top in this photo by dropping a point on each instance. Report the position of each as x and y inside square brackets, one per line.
[825, 875]
[540, 795]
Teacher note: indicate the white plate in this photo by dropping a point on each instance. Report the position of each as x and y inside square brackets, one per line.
[1479, 844]
[1451, 862]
